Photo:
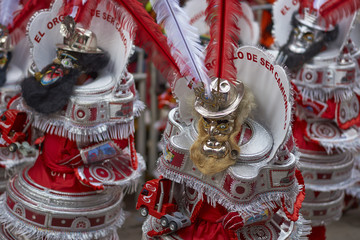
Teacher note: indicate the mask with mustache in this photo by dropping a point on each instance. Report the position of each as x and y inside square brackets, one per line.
[305, 42]
[221, 117]
[49, 90]
[216, 148]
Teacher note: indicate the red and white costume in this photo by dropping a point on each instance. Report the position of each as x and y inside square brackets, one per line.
[326, 120]
[16, 70]
[249, 199]
[88, 160]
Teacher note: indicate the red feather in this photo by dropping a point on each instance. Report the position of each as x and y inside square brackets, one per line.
[306, 4]
[150, 37]
[84, 11]
[18, 29]
[333, 11]
[222, 17]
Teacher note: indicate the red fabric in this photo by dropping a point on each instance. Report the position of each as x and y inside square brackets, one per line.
[134, 160]
[317, 107]
[207, 226]
[317, 233]
[47, 170]
[299, 199]
[303, 143]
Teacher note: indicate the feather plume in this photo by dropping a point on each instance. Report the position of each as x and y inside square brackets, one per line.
[184, 39]
[224, 34]
[17, 29]
[150, 37]
[7, 9]
[80, 10]
[333, 11]
[306, 4]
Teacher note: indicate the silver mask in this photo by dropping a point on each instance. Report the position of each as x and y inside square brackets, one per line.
[217, 143]
[303, 37]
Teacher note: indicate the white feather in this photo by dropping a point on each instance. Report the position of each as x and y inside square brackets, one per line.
[7, 9]
[183, 39]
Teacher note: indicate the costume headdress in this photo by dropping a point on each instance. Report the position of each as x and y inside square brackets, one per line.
[220, 110]
[318, 14]
[13, 20]
[222, 17]
[219, 93]
[77, 40]
[50, 89]
[307, 28]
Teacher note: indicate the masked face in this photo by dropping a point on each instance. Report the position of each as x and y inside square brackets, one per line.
[52, 74]
[303, 37]
[49, 90]
[216, 143]
[215, 148]
[303, 44]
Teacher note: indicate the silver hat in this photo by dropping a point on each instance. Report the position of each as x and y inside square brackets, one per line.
[77, 39]
[224, 100]
[313, 20]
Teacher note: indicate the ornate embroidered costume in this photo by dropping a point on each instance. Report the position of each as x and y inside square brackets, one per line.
[14, 61]
[83, 99]
[324, 70]
[228, 169]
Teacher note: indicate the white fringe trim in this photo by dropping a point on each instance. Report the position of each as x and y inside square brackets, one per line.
[303, 229]
[19, 227]
[63, 127]
[353, 191]
[132, 182]
[344, 146]
[14, 165]
[98, 133]
[348, 183]
[139, 107]
[255, 206]
[324, 94]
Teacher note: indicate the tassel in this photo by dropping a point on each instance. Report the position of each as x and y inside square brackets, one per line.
[222, 17]
[184, 39]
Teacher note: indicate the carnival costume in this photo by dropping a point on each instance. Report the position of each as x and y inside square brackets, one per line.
[228, 168]
[83, 99]
[14, 63]
[324, 68]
